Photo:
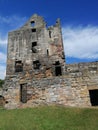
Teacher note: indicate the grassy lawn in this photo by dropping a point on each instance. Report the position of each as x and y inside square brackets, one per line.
[49, 118]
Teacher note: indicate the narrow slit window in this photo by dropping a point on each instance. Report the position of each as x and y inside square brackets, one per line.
[18, 66]
[47, 52]
[49, 33]
[36, 64]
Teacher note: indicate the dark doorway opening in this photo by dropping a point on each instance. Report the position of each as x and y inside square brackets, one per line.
[94, 97]
[58, 70]
[23, 93]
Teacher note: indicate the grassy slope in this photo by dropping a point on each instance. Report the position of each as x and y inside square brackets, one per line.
[49, 118]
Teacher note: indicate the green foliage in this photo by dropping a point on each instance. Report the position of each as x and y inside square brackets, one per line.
[49, 118]
[1, 83]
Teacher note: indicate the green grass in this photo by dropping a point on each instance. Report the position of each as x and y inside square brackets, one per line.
[49, 118]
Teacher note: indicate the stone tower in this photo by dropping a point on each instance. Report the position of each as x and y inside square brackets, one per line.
[36, 48]
[35, 53]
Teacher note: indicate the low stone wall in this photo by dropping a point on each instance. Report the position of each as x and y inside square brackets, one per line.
[58, 90]
[70, 89]
[82, 67]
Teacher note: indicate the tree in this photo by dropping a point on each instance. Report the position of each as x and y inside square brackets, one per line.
[1, 83]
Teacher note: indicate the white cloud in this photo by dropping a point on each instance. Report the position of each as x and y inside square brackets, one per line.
[2, 57]
[2, 65]
[3, 41]
[13, 21]
[81, 42]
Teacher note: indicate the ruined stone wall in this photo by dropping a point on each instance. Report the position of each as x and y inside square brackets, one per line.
[70, 89]
[34, 47]
[36, 70]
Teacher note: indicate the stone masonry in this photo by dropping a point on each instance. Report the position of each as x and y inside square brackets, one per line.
[37, 73]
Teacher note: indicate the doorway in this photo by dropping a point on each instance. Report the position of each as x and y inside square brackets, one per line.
[94, 97]
[58, 69]
[23, 93]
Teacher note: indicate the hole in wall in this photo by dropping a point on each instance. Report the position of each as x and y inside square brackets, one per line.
[49, 33]
[18, 66]
[33, 30]
[6, 102]
[58, 69]
[47, 52]
[6, 89]
[94, 97]
[1, 97]
[34, 44]
[36, 64]
[32, 23]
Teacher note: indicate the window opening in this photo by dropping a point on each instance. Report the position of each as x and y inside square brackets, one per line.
[18, 66]
[63, 55]
[33, 30]
[49, 33]
[36, 64]
[47, 52]
[57, 63]
[32, 23]
[58, 70]
[34, 44]
[1, 97]
[23, 93]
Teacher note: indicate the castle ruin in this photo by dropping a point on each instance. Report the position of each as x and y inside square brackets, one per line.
[37, 73]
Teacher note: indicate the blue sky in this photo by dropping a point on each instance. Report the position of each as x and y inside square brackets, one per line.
[79, 20]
